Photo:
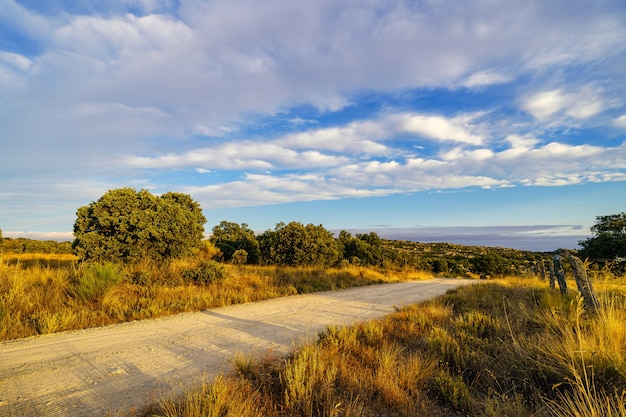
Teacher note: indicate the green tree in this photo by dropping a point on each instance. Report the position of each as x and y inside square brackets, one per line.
[267, 244]
[128, 225]
[297, 245]
[490, 264]
[366, 248]
[608, 240]
[230, 237]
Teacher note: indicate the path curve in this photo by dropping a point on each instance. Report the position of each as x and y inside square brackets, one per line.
[89, 372]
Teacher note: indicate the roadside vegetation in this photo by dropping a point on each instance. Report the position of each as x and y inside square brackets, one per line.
[509, 347]
[42, 294]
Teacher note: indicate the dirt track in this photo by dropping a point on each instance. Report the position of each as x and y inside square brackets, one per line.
[86, 373]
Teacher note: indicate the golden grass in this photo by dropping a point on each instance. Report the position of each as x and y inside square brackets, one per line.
[43, 257]
[42, 260]
[222, 397]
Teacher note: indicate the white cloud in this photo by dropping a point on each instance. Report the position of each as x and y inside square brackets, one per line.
[122, 37]
[593, 39]
[455, 129]
[117, 111]
[544, 104]
[316, 147]
[582, 104]
[16, 61]
[585, 107]
[474, 154]
[485, 78]
[556, 149]
[521, 142]
[620, 121]
[356, 137]
[238, 156]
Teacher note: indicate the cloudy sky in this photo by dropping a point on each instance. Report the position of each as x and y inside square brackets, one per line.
[480, 122]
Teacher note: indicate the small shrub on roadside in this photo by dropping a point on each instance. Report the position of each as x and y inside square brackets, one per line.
[208, 251]
[452, 392]
[205, 273]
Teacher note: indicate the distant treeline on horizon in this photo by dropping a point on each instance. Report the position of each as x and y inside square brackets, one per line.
[26, 245]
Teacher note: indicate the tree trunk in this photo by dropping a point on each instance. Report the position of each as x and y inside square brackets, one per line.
[584, 284]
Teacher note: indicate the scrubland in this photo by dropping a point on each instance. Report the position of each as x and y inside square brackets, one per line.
[509, 347]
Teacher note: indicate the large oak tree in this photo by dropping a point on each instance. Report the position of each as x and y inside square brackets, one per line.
[295, 244]
[128, 225]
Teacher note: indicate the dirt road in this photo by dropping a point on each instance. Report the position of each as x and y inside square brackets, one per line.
[86, 373]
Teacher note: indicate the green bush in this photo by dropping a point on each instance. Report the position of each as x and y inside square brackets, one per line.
[240, 257]
[205, 273]
[452, 392]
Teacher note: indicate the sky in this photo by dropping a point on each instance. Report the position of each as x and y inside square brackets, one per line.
[487, 122]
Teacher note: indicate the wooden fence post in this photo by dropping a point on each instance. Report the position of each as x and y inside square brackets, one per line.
[551, 274]
[584, 284]
[560, 274]
[542, 270]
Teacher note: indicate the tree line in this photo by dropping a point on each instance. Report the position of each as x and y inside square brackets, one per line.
[25, 245]
[126, 225]
[296, 244]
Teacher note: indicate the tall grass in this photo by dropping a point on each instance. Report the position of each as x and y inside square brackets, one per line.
[45, 293]
[505, 348]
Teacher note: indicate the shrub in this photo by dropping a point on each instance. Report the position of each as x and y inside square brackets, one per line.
[453, 392]
[240, 257]
[205, 273]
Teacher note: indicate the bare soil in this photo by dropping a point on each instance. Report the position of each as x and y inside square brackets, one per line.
[121, 367]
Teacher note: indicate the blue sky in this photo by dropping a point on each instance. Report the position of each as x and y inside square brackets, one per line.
[480, 122]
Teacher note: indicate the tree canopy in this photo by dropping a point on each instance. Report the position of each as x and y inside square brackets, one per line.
[129, 225]
[365, 249]
[295, 244]
[608, 240]
[231, 237]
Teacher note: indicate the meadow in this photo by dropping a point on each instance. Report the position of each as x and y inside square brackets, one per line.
[509, 347]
